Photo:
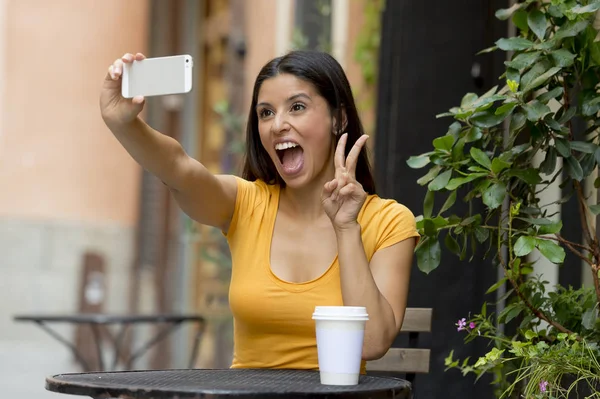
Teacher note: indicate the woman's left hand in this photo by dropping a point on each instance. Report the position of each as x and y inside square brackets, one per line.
[343, 197]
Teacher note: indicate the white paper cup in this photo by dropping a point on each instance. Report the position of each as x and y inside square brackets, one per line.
[340, 334]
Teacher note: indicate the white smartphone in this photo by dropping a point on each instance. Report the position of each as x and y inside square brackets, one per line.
[157, 76]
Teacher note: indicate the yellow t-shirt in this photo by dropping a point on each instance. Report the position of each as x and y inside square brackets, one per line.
[273, 326]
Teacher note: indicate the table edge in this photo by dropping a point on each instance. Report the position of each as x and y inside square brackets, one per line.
[55, 385]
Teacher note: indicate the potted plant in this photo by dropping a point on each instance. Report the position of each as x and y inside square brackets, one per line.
[548, 343]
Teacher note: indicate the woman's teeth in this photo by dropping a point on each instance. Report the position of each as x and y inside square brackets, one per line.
[285, 146]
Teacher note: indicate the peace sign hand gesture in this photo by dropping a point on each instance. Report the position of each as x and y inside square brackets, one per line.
[343, 197]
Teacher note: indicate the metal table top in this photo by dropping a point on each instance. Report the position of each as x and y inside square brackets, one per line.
[214, 384]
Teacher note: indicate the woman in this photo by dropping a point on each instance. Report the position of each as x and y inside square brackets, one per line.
[304, 224]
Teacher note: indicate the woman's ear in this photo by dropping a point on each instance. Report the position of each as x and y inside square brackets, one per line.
[340, 128]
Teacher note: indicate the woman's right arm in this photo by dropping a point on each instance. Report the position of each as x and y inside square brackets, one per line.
[206, 198]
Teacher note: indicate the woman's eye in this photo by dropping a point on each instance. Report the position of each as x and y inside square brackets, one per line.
[298, 107]
[264, 113]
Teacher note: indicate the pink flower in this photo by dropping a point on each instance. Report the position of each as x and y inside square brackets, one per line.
[472, 325]
[543, 386]
[461, 324]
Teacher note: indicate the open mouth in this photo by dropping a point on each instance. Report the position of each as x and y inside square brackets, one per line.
[291, 156]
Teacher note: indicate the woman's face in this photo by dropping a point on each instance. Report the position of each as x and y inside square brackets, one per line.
[296, 129]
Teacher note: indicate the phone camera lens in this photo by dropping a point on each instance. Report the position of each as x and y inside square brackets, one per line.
[187, 60]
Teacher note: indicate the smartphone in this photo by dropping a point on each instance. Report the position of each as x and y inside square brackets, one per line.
[157, 76]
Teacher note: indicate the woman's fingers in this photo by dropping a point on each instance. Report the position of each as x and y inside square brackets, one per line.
[339, 159]
[329, 187]
[352, 158]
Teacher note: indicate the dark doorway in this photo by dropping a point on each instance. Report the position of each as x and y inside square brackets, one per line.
[428, 62]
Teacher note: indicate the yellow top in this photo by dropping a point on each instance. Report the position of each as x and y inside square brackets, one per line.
[273, 326]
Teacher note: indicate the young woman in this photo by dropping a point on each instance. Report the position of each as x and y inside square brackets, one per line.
[304, 224]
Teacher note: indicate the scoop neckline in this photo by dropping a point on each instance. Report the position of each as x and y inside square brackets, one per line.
[289, 285]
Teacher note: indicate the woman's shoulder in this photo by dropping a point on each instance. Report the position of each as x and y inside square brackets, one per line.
[257, 185]
[377, 207]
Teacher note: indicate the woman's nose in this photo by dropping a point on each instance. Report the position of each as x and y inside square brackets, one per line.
[280, 124]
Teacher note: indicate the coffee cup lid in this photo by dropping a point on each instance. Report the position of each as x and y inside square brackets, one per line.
[341, 312]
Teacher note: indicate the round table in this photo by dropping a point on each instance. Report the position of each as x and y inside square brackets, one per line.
[228, 383]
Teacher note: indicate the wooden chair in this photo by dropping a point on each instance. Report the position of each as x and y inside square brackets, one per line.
[409, 360]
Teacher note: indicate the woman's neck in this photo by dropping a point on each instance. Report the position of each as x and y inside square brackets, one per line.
[305, 202]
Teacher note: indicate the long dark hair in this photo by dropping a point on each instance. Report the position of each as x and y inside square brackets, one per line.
[327, 76]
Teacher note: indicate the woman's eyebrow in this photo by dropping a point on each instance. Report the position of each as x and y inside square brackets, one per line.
[290, 99]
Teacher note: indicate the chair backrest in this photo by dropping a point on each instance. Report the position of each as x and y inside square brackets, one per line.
[407, 360]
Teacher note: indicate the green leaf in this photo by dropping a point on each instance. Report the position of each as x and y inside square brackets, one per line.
[481, 158]
[551, 251]
[538, 69]
[440, 181]
[428, 204]
[541, 79]
[429, 228]
[454, 130]
[555, 11]
[536, 110]
[481, 234]
[537, 22]
[431, 174]
[594, 53]
[513, 75]
[548, 165]
[584, 146]
[494, 195]
[496, 286]
[448, 203]
[529, 176]
[452, 244]
[562, 58]
[443, 143]
[588, 163]
[514, 44]
[505, 108]
[498, 165]
[428, 255]
[473, 134]
[590, 103]
[520, 20]
[588, 320]
[459, 181]
[487, 119]
[574, 168]
[517, 122]
[523, 60]
[571, 29]
[547, 96]
[592, 7]
[524, 246]
[418, 161]
[595, 209]
[552, 228]
[538, 221]
[512, 314]
[563, 147]
[505, 13]
[566, 116]
[468, 99]
[554, 125]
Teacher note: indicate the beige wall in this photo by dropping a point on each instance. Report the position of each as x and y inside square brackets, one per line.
[57, 160]
[260, 39]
